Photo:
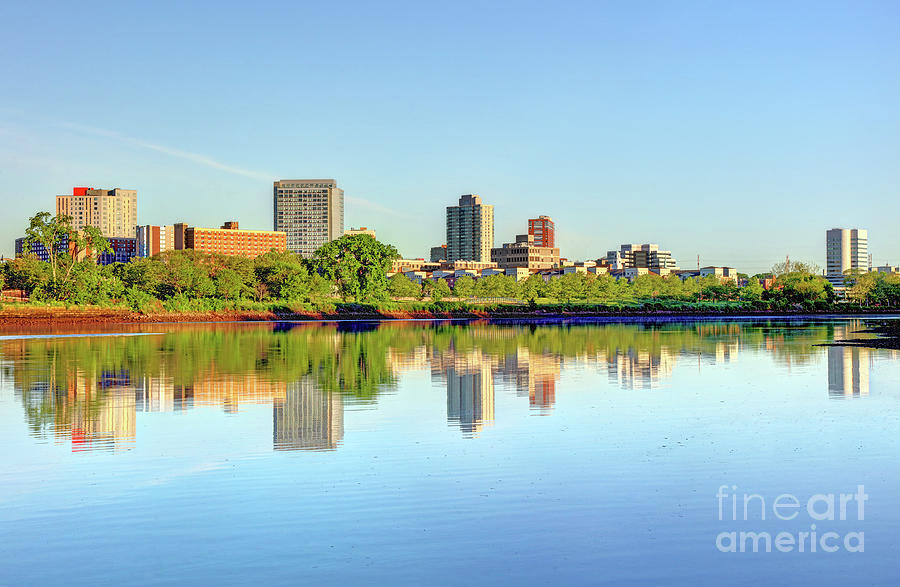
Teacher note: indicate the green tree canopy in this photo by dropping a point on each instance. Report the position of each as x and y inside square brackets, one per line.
[357, 264]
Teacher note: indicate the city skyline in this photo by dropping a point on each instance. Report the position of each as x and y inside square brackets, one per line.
[737, 133]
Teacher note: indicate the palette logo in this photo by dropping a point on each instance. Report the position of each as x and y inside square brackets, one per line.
[830, 508]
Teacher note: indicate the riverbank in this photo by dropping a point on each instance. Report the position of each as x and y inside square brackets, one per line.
[22, 315]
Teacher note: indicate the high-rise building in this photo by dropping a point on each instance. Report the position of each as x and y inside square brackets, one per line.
[543, 230]
[152, 240]
[846, 249]
[310, 212]
[113, 211]
[470, 230]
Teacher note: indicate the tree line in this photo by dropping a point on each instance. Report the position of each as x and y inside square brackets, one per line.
[354, 268]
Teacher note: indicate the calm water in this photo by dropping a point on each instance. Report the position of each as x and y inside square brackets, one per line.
[448, 453]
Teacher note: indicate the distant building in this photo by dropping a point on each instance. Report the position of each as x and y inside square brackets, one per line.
[525, 253]
[439, 254]
[123, 250]
[405, 265]
[543, 230]
[113, 211]
[846, 249]
[647, 256]
[361, 230]
[470, 230]
[230, 240]
[152, 240]
[38, 250]
[891, 269]
[309, 211]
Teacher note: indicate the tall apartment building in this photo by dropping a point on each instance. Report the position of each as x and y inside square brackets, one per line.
[646, 256]
[229, 240]
[152, 240]
[845, 249]
[310, 212]
[543, 230]
[113, 211]
[525, 253]
[470, 230]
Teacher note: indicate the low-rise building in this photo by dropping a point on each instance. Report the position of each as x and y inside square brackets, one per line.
[723, 273]
[123, 251]
[231, 240]
[361, 230]
[525, 253]
[404, 265]
[890, 269]
[648, 256]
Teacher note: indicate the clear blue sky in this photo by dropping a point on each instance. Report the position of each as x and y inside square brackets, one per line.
[736, 131]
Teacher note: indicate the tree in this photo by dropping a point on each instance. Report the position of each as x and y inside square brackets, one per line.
[752, 292]
[530, 288]
[401, 286]
[357, 264]
[788, 266]
[440, 290]
[229, 284]
[464, 287]
[51, 233]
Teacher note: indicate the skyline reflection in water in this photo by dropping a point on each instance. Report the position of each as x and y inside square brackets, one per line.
[87, 391]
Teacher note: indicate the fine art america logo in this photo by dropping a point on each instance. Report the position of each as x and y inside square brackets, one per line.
[806, 532]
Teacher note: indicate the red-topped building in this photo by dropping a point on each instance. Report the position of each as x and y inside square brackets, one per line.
[543, 230]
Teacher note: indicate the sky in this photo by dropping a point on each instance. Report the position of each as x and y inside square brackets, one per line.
[738, 132]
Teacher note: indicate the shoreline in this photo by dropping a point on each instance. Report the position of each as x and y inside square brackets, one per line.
[23, 316]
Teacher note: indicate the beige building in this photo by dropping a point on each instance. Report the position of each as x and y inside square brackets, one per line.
[470, 230]
[113, 211]
[309, 211]
[361, 230]
[525, 253]
[846, 249]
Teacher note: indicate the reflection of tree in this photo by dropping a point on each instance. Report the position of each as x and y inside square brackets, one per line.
[92, 386]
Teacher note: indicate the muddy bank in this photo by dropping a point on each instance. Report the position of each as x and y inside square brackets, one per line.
[18, 316]
[888, 332]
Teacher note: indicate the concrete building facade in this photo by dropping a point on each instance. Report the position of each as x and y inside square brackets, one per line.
[309, 211]
[526, 253]
[648, 256]
[846, 249]
[113, 211]
[470, 230]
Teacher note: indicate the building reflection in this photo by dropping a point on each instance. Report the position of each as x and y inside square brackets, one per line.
[307, 418]
[848, 371]
[534, 376]
[90, 391]
[470, 389]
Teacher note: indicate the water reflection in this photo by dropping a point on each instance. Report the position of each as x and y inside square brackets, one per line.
[307, 418]
[88, 391]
